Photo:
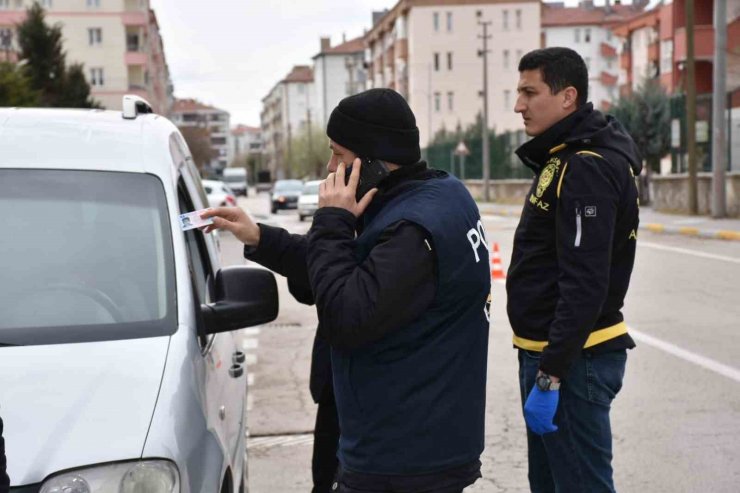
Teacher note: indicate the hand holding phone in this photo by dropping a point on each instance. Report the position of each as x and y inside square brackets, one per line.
[372, 173]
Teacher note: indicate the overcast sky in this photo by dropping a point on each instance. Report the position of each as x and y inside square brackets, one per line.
[229, 53]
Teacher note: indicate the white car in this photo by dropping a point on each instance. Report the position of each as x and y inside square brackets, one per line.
[219, 194]
[119, 370]
[308, 202]
[236, 178]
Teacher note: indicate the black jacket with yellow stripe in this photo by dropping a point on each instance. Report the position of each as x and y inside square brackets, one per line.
[574, 247]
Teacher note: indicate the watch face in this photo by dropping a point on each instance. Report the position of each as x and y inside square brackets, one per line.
[543, 382]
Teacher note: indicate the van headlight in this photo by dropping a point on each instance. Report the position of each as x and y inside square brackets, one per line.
[151, 476]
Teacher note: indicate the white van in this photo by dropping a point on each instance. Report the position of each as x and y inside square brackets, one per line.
[119, 370]
[236, 179]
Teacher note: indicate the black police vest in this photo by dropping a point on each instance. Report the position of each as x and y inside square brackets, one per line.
[414, 401]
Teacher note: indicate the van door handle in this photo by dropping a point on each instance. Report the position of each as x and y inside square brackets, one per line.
[236, 371]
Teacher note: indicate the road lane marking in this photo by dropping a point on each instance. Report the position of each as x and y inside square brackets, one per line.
[697, 359]
[250, 343]
[250, 379]
[280, 441]
[251, 332]
[686, 251]
[251, 359]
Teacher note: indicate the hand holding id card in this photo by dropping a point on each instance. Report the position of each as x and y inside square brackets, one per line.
[192, 220]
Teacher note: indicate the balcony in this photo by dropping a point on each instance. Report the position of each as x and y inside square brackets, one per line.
[703, 43]
[608, 79]
[608, 51]
[136, 58]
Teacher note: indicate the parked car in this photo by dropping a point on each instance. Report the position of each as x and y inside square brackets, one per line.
[219, 194]
[308, 202]
[236, 179]
[285, 195]
[119, 367]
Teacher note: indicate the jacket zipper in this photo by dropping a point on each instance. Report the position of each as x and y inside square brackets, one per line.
[578, 225]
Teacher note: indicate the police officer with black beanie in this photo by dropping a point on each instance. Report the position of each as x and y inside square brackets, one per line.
[401, 285]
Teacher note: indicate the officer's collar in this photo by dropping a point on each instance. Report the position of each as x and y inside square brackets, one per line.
[535, 152]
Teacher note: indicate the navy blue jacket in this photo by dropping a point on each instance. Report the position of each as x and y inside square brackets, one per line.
[412, 401]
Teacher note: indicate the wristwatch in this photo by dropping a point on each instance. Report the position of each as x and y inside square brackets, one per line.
[544, 383]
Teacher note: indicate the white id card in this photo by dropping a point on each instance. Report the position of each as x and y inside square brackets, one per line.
[192, 220]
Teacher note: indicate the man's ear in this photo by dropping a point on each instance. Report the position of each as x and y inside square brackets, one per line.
[570, 98]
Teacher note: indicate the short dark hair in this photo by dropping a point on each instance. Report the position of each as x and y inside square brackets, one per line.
[561, 68]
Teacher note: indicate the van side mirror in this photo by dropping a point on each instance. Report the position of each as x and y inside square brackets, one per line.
[245, 296]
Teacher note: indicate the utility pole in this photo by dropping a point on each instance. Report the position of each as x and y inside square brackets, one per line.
[486, 151]
[691, 108]
[719, 108]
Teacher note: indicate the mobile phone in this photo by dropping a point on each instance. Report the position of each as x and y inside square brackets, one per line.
[372, 172]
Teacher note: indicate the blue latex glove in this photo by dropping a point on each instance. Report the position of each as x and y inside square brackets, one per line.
[539, 410]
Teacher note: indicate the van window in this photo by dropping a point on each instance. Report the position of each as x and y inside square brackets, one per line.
[89, 254]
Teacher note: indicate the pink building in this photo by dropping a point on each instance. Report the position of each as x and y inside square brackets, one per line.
[117, 41]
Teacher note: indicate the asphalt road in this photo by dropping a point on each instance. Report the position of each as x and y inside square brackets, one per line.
[676, 422]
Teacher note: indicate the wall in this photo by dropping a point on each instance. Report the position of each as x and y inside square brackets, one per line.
[670, 193]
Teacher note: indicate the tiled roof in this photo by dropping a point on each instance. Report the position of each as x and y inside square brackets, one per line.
[554, 16]
[351, 46]
[300, 73]
[240, 130]
[183, 105]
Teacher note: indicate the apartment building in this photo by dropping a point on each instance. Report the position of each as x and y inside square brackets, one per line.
[655, 47]
[428, 51]
[193, 113]
[118, 42]
[338, 72]
[246, 141]
[289, 109]
[588, 30]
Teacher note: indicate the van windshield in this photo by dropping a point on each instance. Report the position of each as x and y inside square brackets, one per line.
[87, 257]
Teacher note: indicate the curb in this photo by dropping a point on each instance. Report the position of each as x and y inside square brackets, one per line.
[726, 235]
[695, 232]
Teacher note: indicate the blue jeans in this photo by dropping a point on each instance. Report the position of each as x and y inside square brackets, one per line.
[576, 458]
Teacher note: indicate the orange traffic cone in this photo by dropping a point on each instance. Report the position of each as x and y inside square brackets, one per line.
[497, 271]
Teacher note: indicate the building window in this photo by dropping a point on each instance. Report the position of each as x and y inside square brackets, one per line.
[518, 19]
[506, 58]
[608, 35]
[96, 77]
[6, 38]
[449, 60]
[588, 63]
[577, 35]
[301, 89]
[507, 98]
[449, 22]
[4, 4]
[436, 62]
[437, 101]
[609, 64]
[505, 20]
[93, 3]
[46, 3]
[518, 56]
[95, 36]
[436, 21]
[451, 101]
[587, 35]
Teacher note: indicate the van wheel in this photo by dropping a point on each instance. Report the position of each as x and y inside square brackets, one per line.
[273, 209]
[301, 217]
[244, 483]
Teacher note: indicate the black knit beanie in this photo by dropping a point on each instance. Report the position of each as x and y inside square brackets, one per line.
[377, 124]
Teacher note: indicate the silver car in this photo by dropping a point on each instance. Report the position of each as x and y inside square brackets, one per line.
[119, 370]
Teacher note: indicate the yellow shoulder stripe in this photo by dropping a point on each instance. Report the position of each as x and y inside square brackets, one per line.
[560, 181]
[562, 173]
[590, 153]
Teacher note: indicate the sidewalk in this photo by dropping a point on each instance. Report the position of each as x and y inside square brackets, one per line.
[650, 220]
